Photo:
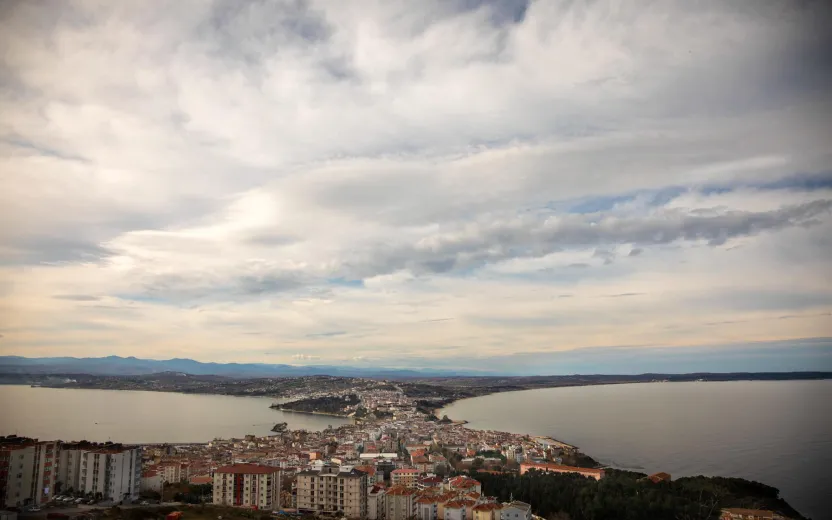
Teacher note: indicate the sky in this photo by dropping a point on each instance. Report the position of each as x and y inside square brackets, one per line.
[500, 185]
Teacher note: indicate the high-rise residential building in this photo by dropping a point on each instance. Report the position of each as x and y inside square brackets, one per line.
[113, 472]
[332, 489]
[17, 459]
[69, 464]
[28, 471]
[247, 485]
[376, 501]
[45, 471]
[400, 503]
[174, 471]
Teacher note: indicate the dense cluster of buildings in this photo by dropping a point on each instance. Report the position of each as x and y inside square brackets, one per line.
[392, 464]
[33, 471]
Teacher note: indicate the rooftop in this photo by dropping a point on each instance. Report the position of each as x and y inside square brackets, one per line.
[248, 469]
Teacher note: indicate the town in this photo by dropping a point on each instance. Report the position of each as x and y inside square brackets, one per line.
[395, 461]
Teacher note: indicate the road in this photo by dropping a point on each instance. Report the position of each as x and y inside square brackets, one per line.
[76, 510]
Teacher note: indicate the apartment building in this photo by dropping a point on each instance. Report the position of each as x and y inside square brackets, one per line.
[69, 464]
[516, 511]
[113, 472]
[331, 489]
[464, 484]
[152, 481]
[427, 507]
[371, 472]
[400, 503]
[376, 503]
[455, 510]
[17, 460]
[404, 477]
[174, 471]
[28, 471]
[247, 485]
[45, 471]
[487, 511]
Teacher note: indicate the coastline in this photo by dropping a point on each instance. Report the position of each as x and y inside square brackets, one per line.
[787, 493]
[328, 414]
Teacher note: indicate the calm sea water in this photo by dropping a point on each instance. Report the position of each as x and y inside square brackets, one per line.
[141, 417]
[778, 433]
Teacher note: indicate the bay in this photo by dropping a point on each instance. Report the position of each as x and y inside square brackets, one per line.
[775, 432]
[142, 417]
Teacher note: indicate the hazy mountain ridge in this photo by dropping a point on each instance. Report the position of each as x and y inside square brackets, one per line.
[116, 365]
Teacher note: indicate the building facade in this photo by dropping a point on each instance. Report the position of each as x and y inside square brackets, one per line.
[17, 460]
[597, 474]
[400, 503]
[111, 472]
[404, 477]
[331, 489]
[247, 485]
[516, 511]
[376, 503]
[28, 471]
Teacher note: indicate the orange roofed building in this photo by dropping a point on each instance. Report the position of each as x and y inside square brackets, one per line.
[597, 474]
[655, 478]
[487, 511]
[738, 513]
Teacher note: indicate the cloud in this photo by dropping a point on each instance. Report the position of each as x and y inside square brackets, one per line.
[304, 357]
[77, 297]
[273, 175]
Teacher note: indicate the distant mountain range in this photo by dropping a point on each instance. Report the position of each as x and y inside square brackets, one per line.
[116, 365]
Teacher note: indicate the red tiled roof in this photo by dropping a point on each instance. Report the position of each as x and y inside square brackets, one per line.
[401, 491]
[560, 467]
[658, 477]
[248, 469]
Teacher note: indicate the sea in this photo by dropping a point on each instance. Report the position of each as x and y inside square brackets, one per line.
[775, 432]
[142, 417]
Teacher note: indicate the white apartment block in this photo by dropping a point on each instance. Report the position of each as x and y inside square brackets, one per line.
[174, 471]
[400, 503]
[330, 490]
[376, 503]
[69, 466]
[16, 474]
[112, 472]
[28, 471]
[248, 485]
[516, 511]
[31, 472]
[45, 471]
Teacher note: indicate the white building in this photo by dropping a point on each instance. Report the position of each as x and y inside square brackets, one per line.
[248, 485]
[28, 471]
[516, 511]
[152, 481]
[455, 510]
[376, 501]
[114, 472]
